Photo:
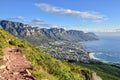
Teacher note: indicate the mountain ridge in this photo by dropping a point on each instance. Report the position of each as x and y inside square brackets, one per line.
[36, 34]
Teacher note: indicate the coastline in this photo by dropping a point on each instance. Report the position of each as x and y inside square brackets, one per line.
[91, 55]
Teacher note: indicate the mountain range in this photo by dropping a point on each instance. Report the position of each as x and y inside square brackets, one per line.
[36, 34]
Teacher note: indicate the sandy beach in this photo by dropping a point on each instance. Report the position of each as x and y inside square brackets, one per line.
[91, 55]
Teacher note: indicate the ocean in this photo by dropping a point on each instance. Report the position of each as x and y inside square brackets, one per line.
[106, 49]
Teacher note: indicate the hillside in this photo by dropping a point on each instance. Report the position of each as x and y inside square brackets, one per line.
[46, 67]
[43, 66]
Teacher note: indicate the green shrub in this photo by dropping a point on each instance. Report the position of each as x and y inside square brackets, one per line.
[12, 43]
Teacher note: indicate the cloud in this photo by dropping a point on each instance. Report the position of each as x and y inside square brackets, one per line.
[44, 25]
[50, 25]
[39, 23]
[52, 9]
[37, 20]
[97, 21]
[17, 18]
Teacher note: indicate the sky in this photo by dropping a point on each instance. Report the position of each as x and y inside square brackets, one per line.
[86, 15]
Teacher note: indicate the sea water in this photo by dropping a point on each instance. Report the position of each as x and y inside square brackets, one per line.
[107, 48]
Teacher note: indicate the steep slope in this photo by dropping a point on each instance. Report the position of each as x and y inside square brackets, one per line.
[43, 67]
[35, 34]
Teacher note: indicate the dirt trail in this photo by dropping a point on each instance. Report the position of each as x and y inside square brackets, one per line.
[15, 66]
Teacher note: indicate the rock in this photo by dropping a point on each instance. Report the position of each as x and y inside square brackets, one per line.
[1, 78]
[16, 73]
[28, 72]
[95, 77]
[3, 67]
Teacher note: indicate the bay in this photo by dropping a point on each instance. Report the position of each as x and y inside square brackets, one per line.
[106, 49]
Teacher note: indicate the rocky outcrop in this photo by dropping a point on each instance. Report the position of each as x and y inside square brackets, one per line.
[94, 76]
[90, 76]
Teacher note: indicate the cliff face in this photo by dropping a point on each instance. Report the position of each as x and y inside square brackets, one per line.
[35, 34]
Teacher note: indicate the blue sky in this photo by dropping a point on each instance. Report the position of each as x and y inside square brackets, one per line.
[88, 15]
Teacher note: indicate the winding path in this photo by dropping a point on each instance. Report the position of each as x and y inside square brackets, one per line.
[15, 66]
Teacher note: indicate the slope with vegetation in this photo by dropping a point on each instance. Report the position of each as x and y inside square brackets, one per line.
[43, 66]
[46, 67]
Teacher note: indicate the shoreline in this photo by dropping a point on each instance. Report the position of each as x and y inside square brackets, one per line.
[91, 55]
